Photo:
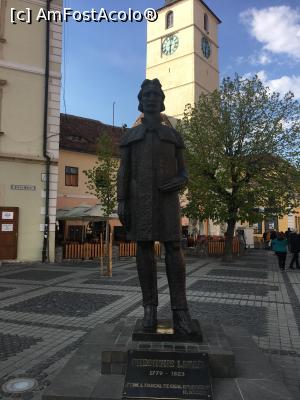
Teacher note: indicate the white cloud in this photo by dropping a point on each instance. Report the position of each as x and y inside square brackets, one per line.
[264, 59]
[277, 28]
[261, 58]
[283, 84]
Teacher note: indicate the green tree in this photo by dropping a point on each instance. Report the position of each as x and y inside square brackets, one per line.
[102, 181]
[243, 154]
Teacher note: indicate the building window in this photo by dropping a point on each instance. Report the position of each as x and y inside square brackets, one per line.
[76, 233]
[206, 24]
[71, 176]
[169, 19]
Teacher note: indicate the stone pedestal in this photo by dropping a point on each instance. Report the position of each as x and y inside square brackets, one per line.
[97, 370]
[209, 339]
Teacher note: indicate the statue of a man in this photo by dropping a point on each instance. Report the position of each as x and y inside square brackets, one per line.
[151, 173]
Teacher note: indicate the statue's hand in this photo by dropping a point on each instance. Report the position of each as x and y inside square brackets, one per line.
[174, 184]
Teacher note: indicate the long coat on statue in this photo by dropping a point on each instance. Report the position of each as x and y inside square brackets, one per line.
[150, 157]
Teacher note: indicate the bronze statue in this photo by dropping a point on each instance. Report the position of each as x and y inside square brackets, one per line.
[151, 173]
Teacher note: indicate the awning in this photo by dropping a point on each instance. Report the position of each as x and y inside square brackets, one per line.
[83, 212]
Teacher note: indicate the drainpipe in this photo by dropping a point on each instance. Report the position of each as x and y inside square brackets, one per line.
[45, 251]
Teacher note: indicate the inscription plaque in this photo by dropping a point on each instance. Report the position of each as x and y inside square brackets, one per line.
[167, 375]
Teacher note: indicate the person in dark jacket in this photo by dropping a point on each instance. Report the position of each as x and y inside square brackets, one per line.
[279, 245]
[294, 247]
[273, 235]
[151, 174]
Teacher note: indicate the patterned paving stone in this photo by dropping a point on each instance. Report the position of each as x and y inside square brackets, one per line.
[10, 345]
[293, 297]
[160, 268]
[129, 282]
[271, 323]
[239, 273]
[36, 275]
[5, 289]
[252, 318]
[66, 304]
[255, 266]
[233, 287]
[290, 353]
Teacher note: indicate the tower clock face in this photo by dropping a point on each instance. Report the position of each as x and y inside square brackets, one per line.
[170, 45]
[205, 45]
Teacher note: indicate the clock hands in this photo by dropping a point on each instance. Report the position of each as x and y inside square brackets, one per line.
[170, 44]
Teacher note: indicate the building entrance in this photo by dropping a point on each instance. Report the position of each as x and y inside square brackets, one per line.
[9, 219]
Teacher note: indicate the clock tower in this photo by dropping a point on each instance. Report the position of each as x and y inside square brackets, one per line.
[182, 52]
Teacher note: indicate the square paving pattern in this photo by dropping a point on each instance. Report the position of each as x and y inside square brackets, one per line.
[11, 345]
[36, 275]
[66, 304]
[233, 287]
[47, 310]
[239, 273]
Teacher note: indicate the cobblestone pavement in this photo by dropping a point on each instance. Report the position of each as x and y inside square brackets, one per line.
[46, 310]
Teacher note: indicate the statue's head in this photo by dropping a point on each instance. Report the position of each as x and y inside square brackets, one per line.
[151, 97]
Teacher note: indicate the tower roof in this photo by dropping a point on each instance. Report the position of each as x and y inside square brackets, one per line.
[170, 2]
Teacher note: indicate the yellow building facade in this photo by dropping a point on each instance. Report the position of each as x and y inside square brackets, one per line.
[29, 125]
[182, 52]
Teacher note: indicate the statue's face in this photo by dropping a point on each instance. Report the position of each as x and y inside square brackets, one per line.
[151, 99]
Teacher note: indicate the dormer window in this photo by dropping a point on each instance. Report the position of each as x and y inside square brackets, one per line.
[206, 23]
[169, 19]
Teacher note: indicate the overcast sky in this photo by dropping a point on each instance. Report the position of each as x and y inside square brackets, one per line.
[105, 62]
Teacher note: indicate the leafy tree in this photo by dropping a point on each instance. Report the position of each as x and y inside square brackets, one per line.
[102, 179]
[243, 154]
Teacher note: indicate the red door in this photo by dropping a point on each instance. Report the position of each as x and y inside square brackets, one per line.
[9, 218]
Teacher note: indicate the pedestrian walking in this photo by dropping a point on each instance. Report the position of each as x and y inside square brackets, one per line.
[279, 245]
[266, 238]
[273, 235]
[294, 247]
[287, 234]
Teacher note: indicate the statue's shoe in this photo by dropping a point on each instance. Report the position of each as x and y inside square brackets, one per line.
[150, 318]
[182, 322]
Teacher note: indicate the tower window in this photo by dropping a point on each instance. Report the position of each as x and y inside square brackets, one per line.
[169, 19]
[206, 24]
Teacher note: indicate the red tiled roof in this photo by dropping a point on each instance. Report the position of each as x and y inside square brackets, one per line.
[82, 134]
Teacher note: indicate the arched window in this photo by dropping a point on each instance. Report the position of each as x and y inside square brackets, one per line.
[206, 24]
[169, 19]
